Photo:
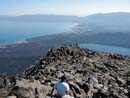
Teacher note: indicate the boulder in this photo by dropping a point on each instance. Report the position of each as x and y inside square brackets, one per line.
[11, 97]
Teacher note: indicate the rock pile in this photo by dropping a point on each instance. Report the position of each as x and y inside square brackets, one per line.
[6, 84]
[91, 74]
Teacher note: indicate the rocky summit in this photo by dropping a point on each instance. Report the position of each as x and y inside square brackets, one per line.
[91, 74]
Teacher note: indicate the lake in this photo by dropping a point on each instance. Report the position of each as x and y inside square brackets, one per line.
[106, 48]
[15, 31]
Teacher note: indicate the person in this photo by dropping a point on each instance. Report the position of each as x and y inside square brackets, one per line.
[61, 87]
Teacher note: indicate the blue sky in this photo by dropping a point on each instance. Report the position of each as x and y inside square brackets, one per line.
[64, 7]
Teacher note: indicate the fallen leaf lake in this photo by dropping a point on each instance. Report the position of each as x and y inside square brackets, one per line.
[106, 48]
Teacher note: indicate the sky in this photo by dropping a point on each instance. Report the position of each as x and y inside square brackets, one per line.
[62, 7]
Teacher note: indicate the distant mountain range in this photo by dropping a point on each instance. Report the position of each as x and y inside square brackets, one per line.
[109, 29]
[119, 18]
[108, 18]
[100, 23]
[96, 23]
[39, 18]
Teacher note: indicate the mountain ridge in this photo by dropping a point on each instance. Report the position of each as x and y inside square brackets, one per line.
[39, 18]
[53, 17]
[91, 74]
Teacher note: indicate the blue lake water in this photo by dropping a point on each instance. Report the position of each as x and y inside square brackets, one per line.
[15, 31]
[105, 48]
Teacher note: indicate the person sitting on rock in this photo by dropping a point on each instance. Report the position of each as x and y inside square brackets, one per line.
[61, 87]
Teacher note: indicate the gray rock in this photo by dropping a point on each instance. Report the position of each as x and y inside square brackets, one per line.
[91, 74]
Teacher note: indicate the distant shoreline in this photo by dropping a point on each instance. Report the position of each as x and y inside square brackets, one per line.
[14, 43]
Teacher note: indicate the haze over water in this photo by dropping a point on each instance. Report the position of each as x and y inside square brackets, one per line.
[15, 31]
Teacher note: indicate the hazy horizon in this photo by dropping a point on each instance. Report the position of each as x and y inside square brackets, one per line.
[62, 7]
[61, 14]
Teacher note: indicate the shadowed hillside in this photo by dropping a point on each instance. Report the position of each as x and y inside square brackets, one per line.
[19, 56]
